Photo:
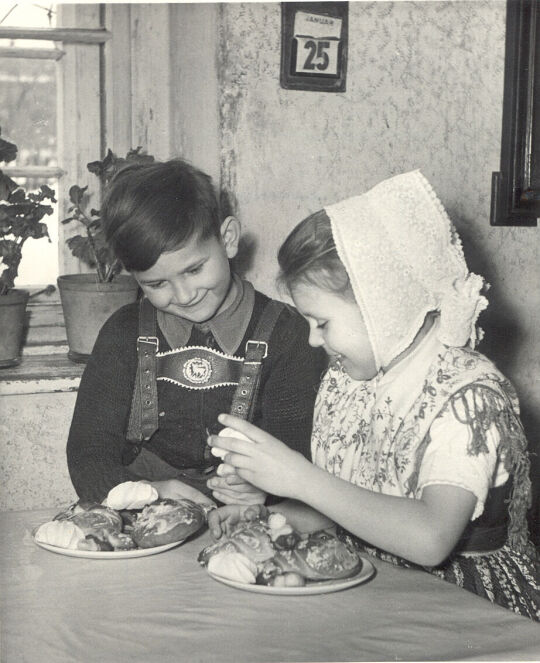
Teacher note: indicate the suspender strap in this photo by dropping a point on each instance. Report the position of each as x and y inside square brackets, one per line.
[143, 417]
[245, 396]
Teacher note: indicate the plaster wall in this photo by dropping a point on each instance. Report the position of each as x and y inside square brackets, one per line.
[33, 434]
[424, 90]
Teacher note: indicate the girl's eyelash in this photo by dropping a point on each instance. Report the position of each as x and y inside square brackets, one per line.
[322, 325]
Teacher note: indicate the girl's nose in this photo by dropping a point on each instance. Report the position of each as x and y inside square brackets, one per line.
[183, 294]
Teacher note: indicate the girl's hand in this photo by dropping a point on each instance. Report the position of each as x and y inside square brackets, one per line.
[174, 489]
[229, 488]
[262, 460]
[222, 520]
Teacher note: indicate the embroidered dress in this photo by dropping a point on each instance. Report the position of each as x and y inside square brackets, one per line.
[440, 416]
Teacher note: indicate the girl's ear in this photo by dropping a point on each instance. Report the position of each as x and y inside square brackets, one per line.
[230, 235]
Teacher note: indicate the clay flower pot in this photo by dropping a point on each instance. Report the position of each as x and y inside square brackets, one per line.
[12, 319]
[87, 303]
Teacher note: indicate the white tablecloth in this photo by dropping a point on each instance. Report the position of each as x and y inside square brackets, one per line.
[165, 608]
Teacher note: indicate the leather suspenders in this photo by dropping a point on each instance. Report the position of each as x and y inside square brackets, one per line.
[143, 418]
[245, 396]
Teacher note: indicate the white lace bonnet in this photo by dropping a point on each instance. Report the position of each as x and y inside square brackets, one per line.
[404, 259]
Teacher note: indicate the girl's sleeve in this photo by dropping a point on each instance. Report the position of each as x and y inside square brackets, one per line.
[96, 437]
[291, 383]
[464, 447]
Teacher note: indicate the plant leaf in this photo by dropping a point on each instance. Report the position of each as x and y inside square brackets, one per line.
[8, 151]
[81, 248]
[76, 194]
[7, 185]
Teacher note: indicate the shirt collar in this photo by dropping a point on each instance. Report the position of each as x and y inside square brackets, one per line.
[228, 327]
[418, 361]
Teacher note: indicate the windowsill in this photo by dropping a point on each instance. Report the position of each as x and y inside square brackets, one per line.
[41, 373]
[44, 367]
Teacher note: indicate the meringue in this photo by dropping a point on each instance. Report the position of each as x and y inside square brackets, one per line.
[131, 495]
[233, 566]
[228, 432]
[60, 533]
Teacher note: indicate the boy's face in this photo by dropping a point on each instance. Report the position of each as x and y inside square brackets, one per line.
[194, 282]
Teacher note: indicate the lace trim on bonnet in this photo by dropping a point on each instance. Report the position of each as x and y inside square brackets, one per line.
[404, 259]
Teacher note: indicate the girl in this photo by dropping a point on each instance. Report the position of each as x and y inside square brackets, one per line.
[418, 451]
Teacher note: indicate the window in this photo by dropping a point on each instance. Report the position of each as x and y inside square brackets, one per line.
[515, 199]
[51, 57]
[51, 73]
[28, 118]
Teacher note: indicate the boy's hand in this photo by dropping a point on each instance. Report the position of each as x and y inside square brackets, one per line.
[229, 488]
[261, 459]
[174, 489]
[220, 521]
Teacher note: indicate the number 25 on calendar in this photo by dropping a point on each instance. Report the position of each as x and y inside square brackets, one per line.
[316, 56]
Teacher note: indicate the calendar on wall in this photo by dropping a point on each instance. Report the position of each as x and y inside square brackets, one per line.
[314, 46]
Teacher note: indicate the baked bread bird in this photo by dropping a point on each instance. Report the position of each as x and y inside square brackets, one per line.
[267, 551]
[166, 521]
[135, 523]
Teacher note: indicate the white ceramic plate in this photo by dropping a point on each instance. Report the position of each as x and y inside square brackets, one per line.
[323, 587]
[106, 554]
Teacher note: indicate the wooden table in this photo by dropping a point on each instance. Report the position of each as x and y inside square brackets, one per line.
[165, 608]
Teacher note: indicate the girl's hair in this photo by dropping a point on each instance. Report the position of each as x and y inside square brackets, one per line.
[153, 208]
[309, 255]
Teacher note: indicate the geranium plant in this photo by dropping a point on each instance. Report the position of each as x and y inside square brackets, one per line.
[91, 246]
[21, 215]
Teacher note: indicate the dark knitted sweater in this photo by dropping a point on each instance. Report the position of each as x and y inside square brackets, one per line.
[97, 437]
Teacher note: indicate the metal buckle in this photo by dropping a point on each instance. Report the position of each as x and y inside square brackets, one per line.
[258, 343]
[153, 340]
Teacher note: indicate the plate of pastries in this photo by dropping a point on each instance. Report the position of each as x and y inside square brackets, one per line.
[266, 555]
[131, 522]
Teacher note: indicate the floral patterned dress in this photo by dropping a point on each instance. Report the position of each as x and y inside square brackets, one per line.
[440, 416]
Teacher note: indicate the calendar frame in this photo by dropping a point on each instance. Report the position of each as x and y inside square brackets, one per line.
[316, 81]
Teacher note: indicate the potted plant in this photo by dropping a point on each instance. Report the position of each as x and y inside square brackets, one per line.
[89, 299]
[21, 215]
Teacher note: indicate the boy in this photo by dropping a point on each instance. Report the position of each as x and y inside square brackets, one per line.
[163, 369]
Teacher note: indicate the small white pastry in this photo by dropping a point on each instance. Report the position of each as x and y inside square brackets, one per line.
[278, 525]
[60, 533]
[276, 520]
[131, 495]
[228, 432]
[233, 566]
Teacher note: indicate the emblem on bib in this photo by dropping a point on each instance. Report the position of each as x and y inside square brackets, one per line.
[197, 370]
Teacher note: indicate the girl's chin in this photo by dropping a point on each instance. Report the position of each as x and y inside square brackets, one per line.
[355, 372]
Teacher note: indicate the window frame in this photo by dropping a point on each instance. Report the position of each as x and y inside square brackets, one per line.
[68, 41]
[78, 52]
[515, 201]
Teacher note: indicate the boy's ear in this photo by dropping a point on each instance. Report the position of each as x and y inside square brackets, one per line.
[230, 235]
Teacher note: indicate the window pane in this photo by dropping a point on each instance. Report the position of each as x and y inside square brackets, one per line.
[28, 109]
[28, 119]
[39, 264]
[27, 16]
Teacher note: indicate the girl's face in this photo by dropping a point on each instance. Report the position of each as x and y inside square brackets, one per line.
[193, 282]
[336, 324]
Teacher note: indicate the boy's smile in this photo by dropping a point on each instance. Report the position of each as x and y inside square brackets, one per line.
[194, 282]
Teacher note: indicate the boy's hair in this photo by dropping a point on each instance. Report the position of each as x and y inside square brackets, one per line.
[309, 255]
[153, 208]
